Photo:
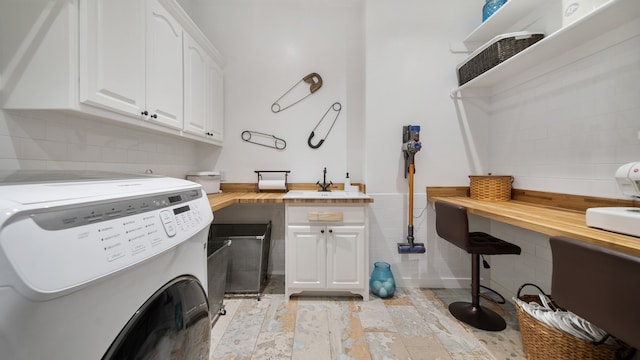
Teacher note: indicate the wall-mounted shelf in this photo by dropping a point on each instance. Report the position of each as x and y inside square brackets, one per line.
[501, 20]
[610, 16]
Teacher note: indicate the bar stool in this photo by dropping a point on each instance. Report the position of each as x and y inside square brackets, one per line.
[452, 224]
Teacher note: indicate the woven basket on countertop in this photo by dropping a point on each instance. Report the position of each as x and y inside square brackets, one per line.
[542, 342]
[490, 187]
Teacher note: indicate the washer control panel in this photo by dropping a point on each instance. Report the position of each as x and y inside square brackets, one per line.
[70, 246]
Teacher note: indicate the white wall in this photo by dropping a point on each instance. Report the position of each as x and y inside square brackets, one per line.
[389, 64]
[269, 46]
[410, 73]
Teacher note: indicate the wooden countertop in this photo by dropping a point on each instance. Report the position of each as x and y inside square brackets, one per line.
[222, 200]
[549, 220]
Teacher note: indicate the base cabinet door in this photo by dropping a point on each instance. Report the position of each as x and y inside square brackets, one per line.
[305, 260]
[345, 257]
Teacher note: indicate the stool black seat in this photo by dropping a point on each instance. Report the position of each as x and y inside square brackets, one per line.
[452, 224]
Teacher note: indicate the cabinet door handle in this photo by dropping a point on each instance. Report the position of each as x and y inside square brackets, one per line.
[154, 116]
[330, 231]
[322, 231]
[144, 113]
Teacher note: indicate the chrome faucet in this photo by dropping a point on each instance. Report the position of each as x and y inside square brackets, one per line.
[324, 186]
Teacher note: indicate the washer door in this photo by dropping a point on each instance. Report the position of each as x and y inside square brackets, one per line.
[172, 324]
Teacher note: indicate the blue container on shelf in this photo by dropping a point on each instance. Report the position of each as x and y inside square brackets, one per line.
[382, 283]
[490, 7]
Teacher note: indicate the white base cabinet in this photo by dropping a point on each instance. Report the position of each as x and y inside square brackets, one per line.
[327, 249]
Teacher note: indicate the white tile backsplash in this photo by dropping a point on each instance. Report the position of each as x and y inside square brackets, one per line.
[66, 142]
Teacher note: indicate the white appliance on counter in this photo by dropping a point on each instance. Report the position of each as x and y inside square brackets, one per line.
[102, 266]
[624, 220]
[210, 180]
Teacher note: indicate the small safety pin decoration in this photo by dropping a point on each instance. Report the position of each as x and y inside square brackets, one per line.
[266, 140]
[315, 82]
[337, 107]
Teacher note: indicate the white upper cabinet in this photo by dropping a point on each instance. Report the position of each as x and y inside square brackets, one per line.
[203, 84]
[131, 59]
[118, 60]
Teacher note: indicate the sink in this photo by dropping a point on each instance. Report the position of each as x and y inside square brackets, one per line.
[312, 194]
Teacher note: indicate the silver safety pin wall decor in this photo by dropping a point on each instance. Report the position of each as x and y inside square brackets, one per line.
[262, 139]
[315, 82]
[337, 107]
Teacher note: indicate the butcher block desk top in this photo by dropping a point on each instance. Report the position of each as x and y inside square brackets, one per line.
[546, 219]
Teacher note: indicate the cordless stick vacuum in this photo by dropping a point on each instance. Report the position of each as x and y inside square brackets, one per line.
[410, 146]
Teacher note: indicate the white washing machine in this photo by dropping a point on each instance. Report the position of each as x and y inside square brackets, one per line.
[102, 266]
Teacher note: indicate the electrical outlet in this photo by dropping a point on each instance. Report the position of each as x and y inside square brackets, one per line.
[223, 175]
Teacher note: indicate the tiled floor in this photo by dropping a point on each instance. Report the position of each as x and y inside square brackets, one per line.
[414, 324]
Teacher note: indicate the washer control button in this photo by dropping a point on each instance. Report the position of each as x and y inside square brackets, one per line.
[168, 222]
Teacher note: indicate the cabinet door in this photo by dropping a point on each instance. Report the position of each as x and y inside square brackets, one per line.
[203, 92]
[214, 118]
[305, 257]
[345, 257]
[112, 54]
[196, 69]
[164, 67]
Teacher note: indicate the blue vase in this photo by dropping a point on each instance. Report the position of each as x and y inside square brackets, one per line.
[382, 283]
[490, 7]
